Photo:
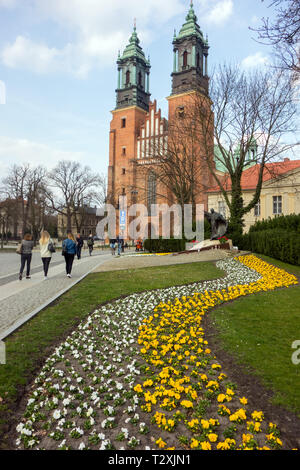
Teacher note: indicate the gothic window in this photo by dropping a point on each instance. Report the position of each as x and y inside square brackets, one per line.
[151, 190]
[123, 123]
[127, 77]
[185, 59]
[140, 81]
[198, 60]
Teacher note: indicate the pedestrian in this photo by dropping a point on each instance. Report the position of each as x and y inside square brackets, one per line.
[46, 248]
[25, 250]
[69, 252]
[112, 244]
[90, 244]
[79, 241]
[119, 243]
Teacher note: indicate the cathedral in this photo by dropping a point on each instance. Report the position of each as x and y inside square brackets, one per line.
[137, 128]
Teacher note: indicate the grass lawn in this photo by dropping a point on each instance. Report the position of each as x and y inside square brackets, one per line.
[30, 345]
[259, 331]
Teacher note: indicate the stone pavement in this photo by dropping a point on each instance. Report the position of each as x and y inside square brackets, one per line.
[20, 300]
[144, 261]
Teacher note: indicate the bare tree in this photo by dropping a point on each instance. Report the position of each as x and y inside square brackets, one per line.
[283, 34]
[26, 187]
[253, 117]
[173, 164]
[71, 187]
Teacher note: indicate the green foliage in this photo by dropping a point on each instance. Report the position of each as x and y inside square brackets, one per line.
[161, 245]
[286, 222]
[279, 243]
[235, 233]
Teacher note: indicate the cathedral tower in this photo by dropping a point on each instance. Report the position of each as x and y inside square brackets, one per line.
[132, 105]
[190, 88]
[190, 69]
[133, 76]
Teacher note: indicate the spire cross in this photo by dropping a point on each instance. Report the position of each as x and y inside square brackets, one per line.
[134, 23]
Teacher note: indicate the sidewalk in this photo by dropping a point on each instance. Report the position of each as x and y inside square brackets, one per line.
[20, 300]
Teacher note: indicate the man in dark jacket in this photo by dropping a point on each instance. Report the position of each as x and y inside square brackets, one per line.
[90, 244]
[79, 245]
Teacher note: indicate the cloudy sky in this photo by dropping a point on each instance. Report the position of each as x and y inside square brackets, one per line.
[58, 67]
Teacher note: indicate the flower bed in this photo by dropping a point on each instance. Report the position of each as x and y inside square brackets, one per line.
[139, 374]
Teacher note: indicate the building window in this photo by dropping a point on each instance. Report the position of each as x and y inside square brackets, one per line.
[277, 205]
[185, 59]
[151, 190]
[123, 123]
[180, 111]
[198, 60]
[257, 209]
[222, 208]
[140, 80]
[123, 192]
[123, 171]
[127, 77]
[123, 151]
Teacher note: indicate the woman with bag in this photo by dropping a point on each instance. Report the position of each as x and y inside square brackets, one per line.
[47, 248]
[69, 251]
[25, 250]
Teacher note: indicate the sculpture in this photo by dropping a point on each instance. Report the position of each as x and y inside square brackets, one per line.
[218, 224]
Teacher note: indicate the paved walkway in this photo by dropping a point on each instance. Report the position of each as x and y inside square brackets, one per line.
[20, 300]
[143, 261]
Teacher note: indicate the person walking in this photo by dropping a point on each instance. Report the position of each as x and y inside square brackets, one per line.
[79, 241]
[119, 243]
[69, 252]
[90, 244]
[25, 250]
[46, 248]
[112, 244]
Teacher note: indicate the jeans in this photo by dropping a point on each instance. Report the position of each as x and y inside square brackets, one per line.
[46, 262]
[78, 251]
[25, 259]
[69, 262]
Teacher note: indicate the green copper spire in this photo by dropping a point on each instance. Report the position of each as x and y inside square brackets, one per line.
[133, 49]
[190, 27]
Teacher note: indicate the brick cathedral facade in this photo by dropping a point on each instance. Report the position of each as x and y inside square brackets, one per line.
[137, 127]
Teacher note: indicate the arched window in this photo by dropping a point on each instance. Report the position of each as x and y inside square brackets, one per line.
[127, 77]
[140, 79]
[198, 60]
[185, 59]
[151, 190]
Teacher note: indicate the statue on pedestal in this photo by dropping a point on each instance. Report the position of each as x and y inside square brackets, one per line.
[218, 223]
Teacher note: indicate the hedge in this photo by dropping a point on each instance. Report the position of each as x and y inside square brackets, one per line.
[277, 243]
[286, 222]
[164, 246]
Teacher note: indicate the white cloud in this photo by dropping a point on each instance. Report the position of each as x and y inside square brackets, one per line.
[7, 3]
[25, 151]
[99, 30]
[216, 12]
[255, 60]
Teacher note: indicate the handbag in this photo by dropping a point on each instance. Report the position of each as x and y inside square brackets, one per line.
[63, 249]
[51, 247]
[19, 249]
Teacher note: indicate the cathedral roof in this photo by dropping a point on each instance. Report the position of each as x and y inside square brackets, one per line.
[133, 49]
[190, 27]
